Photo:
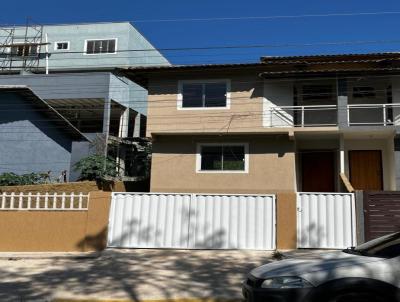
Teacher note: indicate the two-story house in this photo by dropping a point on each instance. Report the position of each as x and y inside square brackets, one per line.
[72, 68]
[285, 124]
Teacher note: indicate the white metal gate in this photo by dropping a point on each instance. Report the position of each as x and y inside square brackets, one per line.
[326, 220]
[192, 221]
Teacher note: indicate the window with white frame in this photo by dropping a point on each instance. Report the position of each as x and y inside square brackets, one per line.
[204, 94]
[64, 45]
[101, 46]
[222, 157]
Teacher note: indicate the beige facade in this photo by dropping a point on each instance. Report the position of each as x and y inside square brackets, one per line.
[244, 115]
[271, 165]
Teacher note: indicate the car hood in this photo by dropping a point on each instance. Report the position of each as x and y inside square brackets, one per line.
[301, 266]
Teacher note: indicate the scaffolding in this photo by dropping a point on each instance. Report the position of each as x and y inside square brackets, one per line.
[21, 48]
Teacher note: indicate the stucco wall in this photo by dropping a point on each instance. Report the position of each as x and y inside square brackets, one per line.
[244, 115]
[271, 166]
[29, 141]
[56, 231]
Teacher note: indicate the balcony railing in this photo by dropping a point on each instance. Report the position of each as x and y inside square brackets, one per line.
[327, 115]
[372, 114]
[301, 116]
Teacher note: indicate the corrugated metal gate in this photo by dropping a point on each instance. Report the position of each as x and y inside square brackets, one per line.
[381, 213]
[326, 220]
[192, 221]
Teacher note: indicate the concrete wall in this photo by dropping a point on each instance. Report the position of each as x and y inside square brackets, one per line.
[57, 231]
[271, 166]
[276, 94]
[29, 141]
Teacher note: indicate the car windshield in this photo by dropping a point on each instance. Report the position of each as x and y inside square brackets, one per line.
[387, 246]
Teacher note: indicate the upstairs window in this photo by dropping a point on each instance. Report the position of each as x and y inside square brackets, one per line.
[61, 45]
[317, 93]
[101, 46]
[364, 92]
[222, 158]
[200, 94]
[24, 50]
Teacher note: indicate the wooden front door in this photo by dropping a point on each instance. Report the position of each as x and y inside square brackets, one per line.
[366, 169]
[318, 171]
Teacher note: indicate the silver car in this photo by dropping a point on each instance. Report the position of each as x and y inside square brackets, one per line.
[369, 272]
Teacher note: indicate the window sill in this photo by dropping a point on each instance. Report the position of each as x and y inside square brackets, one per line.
[204, 108]
[222, 172]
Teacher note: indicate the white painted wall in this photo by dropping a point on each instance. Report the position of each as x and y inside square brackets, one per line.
[278, 94]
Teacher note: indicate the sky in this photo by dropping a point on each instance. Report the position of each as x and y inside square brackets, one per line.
[278, 36]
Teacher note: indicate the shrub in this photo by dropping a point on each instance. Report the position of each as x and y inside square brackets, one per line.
[12, 179]
[96, 167]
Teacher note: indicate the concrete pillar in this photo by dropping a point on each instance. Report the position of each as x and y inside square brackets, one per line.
[106, 125]
[342, 102]
[124, 123]
[341, 154]
[106, 116]
[286, 221]
[137, 125]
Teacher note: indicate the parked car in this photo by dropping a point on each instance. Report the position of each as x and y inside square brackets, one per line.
[369, 272]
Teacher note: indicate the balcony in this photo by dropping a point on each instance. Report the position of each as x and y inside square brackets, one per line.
[373, 114]
[328, 115]
[301, 116]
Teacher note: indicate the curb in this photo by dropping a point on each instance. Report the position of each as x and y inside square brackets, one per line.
[160, 300]
[49, 255]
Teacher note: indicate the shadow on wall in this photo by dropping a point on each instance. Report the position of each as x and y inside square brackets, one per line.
[96, 242]
[258, 144]
[31, 118]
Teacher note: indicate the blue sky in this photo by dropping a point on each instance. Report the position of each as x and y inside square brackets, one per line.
[238, 32]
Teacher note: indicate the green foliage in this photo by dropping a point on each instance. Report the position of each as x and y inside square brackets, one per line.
[95, 167]
[12, 179]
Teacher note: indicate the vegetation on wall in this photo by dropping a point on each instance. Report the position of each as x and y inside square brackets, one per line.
[12, 179]
[96, 167]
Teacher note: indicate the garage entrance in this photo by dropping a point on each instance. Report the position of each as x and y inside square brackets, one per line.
[192, 221]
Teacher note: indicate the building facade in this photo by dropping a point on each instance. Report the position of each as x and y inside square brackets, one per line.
[286, 124]
[72, 68]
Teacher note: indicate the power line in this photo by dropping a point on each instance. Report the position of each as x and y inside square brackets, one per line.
[349, 14]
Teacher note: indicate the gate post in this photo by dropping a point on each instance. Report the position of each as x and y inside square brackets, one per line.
[286, 225]
[359, 200]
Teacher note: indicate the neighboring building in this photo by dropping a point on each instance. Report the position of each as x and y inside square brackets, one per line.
[307, 124]
[35, 135]
[72, 68]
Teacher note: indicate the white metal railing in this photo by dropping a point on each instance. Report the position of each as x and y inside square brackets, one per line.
[43, 202]
[371, 114]
[301, 116]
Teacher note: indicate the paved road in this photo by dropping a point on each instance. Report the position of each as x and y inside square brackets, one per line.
[130, 274]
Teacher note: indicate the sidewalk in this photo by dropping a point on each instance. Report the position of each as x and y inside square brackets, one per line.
[130, 275]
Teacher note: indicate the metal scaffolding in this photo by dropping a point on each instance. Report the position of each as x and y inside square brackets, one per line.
[21, 47]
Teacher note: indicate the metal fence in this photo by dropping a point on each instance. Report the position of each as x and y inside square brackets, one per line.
[326, 220]
[192, 221]
[43, 202]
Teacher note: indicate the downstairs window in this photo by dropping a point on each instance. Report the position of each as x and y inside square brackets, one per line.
[222, 157]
